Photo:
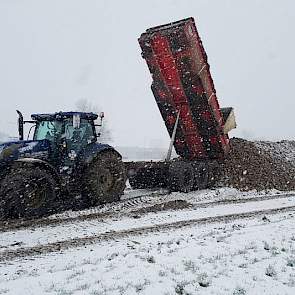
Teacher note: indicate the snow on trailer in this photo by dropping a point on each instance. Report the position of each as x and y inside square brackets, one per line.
[185, 94]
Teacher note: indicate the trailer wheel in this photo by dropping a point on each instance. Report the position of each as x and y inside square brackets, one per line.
[201, 173]
[27, 191]
[214, 173]
[104, 179]
[181, 177]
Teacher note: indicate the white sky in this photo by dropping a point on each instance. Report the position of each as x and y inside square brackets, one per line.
[55, 52]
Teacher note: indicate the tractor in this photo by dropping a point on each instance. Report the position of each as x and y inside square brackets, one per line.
[63, 164]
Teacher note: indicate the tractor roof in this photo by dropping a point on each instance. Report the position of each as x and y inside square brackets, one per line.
[63, 115]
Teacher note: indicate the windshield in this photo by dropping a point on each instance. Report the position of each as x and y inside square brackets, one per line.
[48, 130]
[84, 134]
[55, 131]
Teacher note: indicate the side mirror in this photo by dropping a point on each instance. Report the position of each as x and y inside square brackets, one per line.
[101, 116]
[20, 125]
[76, 121]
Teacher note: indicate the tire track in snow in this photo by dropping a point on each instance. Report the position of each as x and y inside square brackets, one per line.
[123, 208]
[9, 255]
[106, 210]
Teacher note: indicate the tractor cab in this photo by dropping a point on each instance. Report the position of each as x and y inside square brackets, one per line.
[72, 127]
[68, 133]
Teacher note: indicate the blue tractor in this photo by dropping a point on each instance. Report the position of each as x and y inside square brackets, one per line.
[63, 161]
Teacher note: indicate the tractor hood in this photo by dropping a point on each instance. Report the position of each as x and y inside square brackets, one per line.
[14, 150]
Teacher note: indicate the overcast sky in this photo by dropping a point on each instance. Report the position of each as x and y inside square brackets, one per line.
[54, 52]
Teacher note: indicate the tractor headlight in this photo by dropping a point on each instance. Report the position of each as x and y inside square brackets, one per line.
[72, 155]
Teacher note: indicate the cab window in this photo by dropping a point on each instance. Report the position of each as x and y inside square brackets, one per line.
[83, 135]
[47, 130]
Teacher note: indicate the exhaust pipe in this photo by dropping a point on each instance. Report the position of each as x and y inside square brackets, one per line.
[20, 125]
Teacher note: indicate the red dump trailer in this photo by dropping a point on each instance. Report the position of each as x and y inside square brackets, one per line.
[185, 94]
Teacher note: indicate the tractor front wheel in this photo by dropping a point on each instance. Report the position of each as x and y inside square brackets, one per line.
[104, 179]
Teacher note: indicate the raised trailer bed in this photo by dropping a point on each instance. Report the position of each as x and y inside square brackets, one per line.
[183, 88]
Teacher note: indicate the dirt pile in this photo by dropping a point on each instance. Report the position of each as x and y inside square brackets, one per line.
[259, 165]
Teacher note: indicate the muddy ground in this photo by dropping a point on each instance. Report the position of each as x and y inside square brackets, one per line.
[259, 165]
[170, 205]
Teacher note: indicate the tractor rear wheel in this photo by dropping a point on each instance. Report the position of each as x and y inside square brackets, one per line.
[27, 191]
[104, 179]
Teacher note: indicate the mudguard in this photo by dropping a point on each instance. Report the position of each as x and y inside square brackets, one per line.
[15, 150]
[93, 150]
[11, 151]
[42, 164]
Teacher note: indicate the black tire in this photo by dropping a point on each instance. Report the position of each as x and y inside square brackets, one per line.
[214, 173]
[27, 191]
[181, 177]
[104, 179]
[201, 175]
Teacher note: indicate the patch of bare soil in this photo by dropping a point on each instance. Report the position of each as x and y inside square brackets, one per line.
[259, 165]
[170, 205]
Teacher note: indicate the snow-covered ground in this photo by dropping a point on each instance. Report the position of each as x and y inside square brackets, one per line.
[244, 256]
[32, 237]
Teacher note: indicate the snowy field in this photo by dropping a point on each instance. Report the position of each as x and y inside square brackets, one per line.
[254, 255]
